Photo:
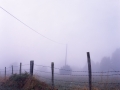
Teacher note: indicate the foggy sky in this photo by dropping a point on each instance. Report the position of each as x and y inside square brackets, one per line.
[84, 25]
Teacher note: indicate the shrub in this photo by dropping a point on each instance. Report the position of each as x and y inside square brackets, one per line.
[24, 82]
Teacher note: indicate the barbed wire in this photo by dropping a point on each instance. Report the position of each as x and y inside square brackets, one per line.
[42, 65]
[3, 70]
[63, 69]
[77, 71]
[75, 75]
[14, 66]
[25, 64]
[61, 80]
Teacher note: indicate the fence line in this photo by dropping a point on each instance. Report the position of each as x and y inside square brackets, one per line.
[113, 73]
[64, 70]
[76, 71]
[3, 70]
[75, 75]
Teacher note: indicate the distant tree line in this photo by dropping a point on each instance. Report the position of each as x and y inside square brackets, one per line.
[107, 63]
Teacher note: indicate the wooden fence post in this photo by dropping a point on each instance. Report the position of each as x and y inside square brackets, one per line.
[52, 68]
[20, 68]
[12, 69]
[5, 72]
[31, 67]
[89, 71]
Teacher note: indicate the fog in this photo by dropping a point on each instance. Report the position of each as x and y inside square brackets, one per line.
[85, 26]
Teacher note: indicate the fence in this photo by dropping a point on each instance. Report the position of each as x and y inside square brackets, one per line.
[108, 79]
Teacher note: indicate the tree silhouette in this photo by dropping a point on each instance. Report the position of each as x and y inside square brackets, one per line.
[115, 59]
[105, 64]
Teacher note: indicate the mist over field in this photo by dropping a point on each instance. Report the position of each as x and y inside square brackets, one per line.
[85, 26]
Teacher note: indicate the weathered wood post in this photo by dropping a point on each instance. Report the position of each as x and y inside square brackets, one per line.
[12, 69]
[20, 67]
[52, 69]
[89, 71]
[31, 67]
[5, 72]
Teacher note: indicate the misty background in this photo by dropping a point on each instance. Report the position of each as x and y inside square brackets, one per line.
[85, 26]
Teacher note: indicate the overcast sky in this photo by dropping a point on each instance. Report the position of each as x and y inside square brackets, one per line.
[85, 25]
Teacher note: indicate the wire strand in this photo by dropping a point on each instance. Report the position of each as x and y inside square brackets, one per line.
[29, 26]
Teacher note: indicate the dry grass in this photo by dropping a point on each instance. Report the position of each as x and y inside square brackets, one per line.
[32, 82]
[3, 79]
[23, 82]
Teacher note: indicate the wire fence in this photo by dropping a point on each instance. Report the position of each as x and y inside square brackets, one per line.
[104, 79]
[101, 80]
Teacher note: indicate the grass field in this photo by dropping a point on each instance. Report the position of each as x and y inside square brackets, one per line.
[67, 82]
[64, 82]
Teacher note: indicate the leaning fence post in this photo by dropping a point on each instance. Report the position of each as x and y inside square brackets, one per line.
[5, 72]
[12, 69]
[52, 68]
[20, 68]
[31, 67]
[89, 71]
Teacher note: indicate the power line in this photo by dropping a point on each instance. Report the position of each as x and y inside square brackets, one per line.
[29, 26]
